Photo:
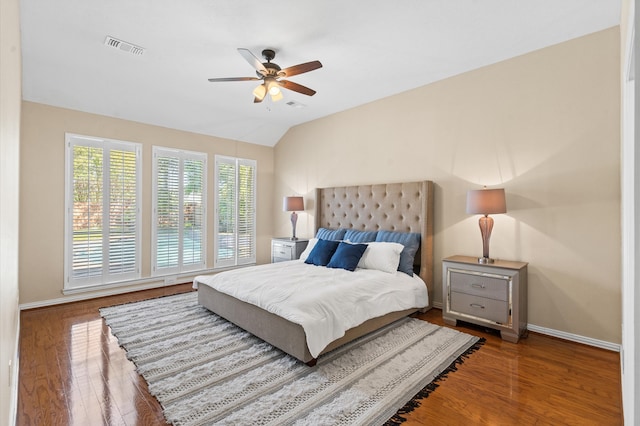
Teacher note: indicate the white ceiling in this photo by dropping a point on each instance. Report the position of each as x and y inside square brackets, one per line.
[370, 49]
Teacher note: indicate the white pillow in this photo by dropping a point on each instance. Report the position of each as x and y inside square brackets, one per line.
[383, 256]
[306, 251]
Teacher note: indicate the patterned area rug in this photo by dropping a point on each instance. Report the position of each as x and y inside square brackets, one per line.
[204, 370]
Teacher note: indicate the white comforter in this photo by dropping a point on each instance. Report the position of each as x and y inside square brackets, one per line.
[324, 301]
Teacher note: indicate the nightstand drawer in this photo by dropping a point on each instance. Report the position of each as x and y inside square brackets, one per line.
[282, 251]
[480, 285]
[480, 307]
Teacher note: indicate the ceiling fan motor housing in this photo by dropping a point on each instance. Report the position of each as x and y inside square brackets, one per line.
[272, 68]
[268, 54]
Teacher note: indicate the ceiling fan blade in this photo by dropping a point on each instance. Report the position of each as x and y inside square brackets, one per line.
[296, 87]
[257, 100]
[253, 61]
[233, 79]
[300, 68]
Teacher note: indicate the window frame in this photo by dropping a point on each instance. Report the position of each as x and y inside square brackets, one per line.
[235, 260]
[107, 145]
[182, 155]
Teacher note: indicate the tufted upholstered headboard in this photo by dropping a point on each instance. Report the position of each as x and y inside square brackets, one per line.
[402, 207]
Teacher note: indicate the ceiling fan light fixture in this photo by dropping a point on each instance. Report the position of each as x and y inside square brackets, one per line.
[272, 85]
[277, 96]
[260, 92]
[274, 90]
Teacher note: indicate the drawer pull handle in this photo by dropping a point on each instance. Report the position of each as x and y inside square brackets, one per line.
[475, 285]
[476, 305]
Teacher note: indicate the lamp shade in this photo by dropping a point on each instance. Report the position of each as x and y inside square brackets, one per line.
[486, 201]
[293, 204]
[259, 92]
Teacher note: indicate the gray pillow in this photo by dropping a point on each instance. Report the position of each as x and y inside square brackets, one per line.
[411, 243]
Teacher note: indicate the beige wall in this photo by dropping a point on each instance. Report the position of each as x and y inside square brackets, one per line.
[545, 126]
[10, 96]
[42, 188]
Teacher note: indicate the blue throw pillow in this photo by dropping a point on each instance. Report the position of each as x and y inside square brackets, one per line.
[360, 236]
[411, 243]
[331, 234]
[347, 256]
[322, 252]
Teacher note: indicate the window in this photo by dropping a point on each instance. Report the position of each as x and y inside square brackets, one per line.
[235, 218]
[102, 211]
[179, 219]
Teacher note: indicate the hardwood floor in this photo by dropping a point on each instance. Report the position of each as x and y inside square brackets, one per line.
[72, 372]
[538, 381]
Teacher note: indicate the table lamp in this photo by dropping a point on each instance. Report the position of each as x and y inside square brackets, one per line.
[293, 205]
[486, 202]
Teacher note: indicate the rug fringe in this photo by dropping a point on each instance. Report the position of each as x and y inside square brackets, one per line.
[414, 403]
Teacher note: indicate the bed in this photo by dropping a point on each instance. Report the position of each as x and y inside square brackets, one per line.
[397, 208]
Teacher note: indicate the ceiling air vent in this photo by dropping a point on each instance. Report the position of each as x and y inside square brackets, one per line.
[123, 45]
[294, 104]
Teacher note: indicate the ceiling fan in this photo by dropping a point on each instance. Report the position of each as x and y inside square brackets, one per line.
[271, 76]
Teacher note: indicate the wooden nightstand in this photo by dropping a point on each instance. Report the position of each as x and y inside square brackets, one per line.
[493, 295]
[283, 249]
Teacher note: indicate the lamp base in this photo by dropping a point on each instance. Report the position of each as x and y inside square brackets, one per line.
[294, 220]
[294, 238]
[486, 225]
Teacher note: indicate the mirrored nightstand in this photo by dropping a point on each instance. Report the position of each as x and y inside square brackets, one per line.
[283, 249]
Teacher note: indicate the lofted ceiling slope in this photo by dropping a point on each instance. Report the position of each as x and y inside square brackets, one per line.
[369, 50]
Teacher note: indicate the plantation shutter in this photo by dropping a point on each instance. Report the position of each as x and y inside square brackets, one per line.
[102, 223]
[235, 223]
[246, 249]
[194, 219]
[123, 209]
[179, 200]
[167, 212]
[87, 209]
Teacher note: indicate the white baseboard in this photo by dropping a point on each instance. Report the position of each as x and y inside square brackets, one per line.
[92, 292]
[616, 347]
[77, 297]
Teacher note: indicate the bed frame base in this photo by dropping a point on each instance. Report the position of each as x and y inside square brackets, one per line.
[279, 332]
